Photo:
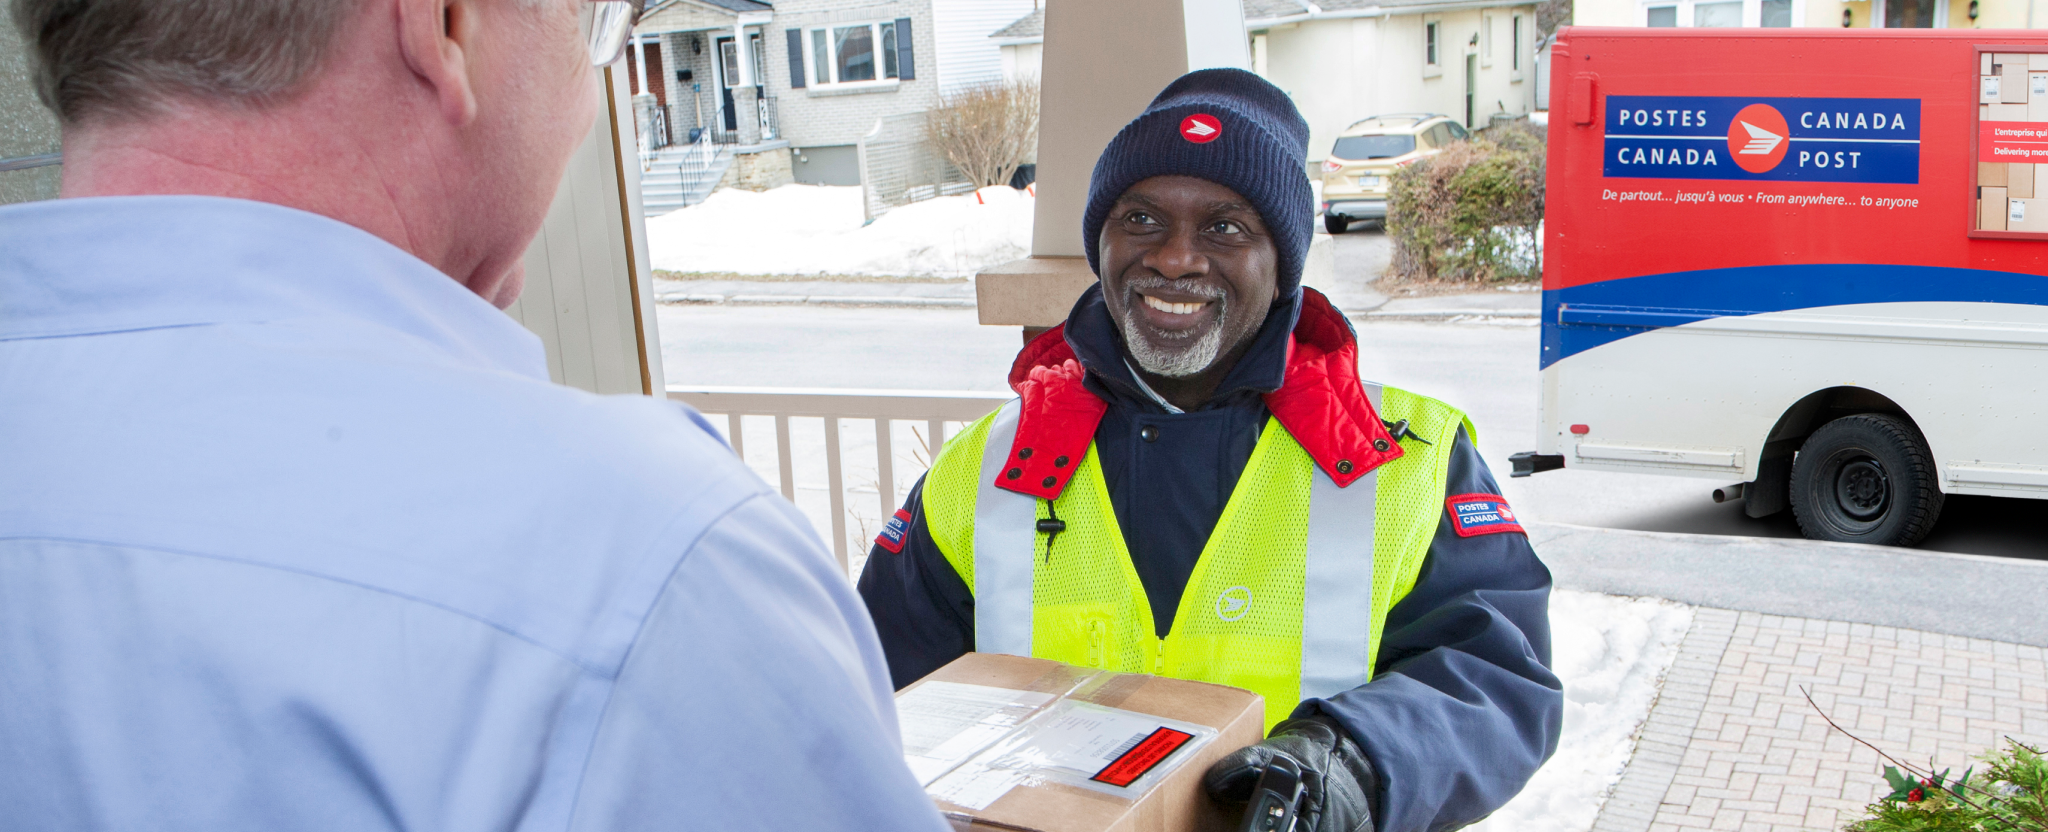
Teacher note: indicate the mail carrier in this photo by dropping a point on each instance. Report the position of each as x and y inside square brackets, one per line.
[1808, 262]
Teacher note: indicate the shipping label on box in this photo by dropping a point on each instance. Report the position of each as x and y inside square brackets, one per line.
[2029, 215]
[1027, 744]
[1987, 89]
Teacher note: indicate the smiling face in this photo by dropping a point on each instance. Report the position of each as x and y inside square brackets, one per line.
[1188, 273]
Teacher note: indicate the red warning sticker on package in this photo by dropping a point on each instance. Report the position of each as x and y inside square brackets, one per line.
[1147, 753]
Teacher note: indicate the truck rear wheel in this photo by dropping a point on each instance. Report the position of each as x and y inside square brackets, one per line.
[1335, 224]
[1867, 478]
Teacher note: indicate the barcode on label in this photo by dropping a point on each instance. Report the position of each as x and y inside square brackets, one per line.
[1129, 744]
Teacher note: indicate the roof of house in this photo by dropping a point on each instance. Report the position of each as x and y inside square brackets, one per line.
[1029, 26]
[1267, 9]
[728, 5]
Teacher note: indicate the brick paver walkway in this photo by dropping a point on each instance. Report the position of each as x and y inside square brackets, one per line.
[1732, 744]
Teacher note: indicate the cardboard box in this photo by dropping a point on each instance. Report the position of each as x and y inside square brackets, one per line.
[2013, 90]
[1991, 209]
[981, 734]
[1991, 174]
[1984, 61]
[2029, 215]
[2037, 61]
[2007, 112]
[2019, 180]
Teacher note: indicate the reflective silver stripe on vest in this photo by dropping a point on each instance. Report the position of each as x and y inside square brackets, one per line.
[1005, 532]
[1336, 609]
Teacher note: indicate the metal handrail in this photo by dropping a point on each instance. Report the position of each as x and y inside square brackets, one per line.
[26, 162]
[933, 407]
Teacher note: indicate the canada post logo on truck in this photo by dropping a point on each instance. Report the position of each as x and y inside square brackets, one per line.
[1763, 139]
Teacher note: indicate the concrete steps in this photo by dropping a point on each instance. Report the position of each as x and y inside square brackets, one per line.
[665, 186]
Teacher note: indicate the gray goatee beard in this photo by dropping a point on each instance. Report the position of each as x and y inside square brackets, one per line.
[1197, 348]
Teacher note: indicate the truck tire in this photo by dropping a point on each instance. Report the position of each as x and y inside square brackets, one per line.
[1335, 224]
[1867, 478]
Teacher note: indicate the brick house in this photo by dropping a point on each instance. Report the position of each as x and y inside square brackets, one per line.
[809, 78]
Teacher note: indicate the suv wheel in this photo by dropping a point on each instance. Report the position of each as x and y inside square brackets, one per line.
[1335, 224]
[1867, 478]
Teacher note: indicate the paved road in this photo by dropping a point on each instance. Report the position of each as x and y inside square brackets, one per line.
[1487, 369]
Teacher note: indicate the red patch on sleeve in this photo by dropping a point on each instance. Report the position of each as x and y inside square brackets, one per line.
[1476, 514]
[895, 534]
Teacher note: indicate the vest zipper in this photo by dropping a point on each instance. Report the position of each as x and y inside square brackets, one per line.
[1158, 656]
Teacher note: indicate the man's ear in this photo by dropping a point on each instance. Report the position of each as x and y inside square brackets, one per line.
[434, 36]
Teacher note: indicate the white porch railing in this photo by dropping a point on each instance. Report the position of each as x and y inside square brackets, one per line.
[934, 408]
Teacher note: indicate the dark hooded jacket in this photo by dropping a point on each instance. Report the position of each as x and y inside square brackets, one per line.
[1462, 708]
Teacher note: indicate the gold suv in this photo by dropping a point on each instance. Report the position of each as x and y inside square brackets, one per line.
[1355, 173]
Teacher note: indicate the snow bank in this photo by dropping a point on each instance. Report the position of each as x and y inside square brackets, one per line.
[1611, 653]
[816, 229]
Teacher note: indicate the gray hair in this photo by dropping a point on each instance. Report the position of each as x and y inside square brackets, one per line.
[126, 58]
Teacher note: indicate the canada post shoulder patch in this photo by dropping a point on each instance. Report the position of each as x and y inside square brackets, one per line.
[1477, 514]
[896, 533]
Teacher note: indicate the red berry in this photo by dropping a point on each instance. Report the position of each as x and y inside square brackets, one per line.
[1915, 796]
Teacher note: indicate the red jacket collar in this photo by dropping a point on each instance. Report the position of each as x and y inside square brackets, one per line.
[1321, 403]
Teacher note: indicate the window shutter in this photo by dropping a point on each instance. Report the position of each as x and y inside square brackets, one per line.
[796, 58]
[906, 51]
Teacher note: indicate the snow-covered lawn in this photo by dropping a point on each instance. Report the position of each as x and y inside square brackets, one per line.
[818, 229]
[1612, 653]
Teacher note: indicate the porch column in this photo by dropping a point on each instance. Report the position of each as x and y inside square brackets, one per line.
[640, 50]
[746, 56]
[1103, 62]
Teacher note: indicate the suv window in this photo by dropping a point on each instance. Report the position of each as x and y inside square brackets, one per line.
[1457, 130]
[1372, 147]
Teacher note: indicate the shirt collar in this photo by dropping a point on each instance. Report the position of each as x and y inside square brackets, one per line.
[1099, 345]
[117, 264]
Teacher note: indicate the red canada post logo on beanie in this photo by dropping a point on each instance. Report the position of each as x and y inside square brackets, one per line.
[1201, 128]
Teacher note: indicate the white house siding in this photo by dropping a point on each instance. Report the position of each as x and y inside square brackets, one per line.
[1340, 71]
[1022, 61]
[966, 55]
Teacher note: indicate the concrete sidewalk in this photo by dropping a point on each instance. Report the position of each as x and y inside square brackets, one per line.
[1928, 655]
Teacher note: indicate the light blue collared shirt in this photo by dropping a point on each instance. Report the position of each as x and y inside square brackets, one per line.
[296, 534]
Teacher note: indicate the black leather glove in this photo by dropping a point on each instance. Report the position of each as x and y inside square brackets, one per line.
[1338, 782]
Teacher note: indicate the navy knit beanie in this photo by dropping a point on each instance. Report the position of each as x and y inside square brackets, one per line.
[1232, 128]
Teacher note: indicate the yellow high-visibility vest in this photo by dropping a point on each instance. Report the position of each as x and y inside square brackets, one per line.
[1288, 598]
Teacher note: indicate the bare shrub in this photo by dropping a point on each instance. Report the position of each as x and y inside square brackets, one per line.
[1471, 212]
[987, 130]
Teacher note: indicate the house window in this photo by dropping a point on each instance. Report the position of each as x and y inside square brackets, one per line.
[1429, 39]
[1663, 16]
[1777, 14]
[1486, 39]
[1515, 45]
[853, 54]
[1717, 14]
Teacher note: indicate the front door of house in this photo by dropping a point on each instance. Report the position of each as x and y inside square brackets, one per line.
[728, 75]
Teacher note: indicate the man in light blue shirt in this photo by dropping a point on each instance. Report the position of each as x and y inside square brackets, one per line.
[294, 531]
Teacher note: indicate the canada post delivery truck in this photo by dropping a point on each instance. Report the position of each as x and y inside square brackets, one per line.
[1805, 262]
